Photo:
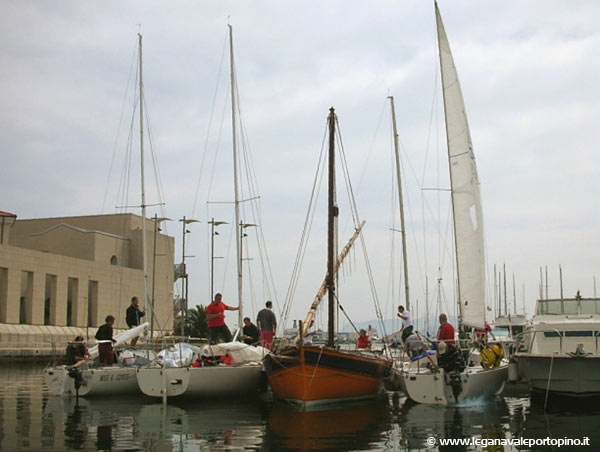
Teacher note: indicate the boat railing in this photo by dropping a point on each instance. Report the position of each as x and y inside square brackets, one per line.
[560, 337]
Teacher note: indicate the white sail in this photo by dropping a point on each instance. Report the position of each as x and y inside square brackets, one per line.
[466, 200]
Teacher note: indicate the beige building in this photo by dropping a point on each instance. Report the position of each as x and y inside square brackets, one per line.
[74, 271]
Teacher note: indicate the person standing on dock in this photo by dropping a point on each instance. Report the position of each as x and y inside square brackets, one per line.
[104, 336]
[267, 324]
[215, 316]
[407, 323]
[133, 317]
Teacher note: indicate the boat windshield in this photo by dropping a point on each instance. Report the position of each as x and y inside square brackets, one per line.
[572, 306]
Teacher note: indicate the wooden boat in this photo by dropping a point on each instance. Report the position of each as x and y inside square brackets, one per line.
[312, 375]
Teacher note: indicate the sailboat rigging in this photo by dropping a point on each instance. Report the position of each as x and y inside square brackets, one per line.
[245, 376]
[109, 380]
[422, 384]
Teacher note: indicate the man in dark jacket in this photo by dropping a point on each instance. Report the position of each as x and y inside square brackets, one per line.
[133, 316]
[104, 336]
[250, 332]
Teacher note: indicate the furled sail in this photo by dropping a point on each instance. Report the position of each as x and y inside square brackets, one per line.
[466, 200]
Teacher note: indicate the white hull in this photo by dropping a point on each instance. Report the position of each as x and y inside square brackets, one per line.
[571, 376]
[201, 382]
[561, 348]
[101, 381]
[434, 388]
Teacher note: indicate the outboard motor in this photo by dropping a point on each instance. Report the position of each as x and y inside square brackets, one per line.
[456, 384]
[75, 374]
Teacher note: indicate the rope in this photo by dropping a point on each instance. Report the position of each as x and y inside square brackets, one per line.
[549, 379]
[305, 233]
[344, 312]
[314, 373]
[212, 112]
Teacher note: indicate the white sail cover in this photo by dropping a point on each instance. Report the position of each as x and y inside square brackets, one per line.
[466, 200]
[121, 338]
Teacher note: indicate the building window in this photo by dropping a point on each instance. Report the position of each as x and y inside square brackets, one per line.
[50, 300]
[113, 260]
[92, 303]
[26, 300]
[72, 301]
[3, 294]
[22, 312]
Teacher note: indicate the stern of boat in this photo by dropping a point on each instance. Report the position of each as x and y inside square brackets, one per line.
[155, 381]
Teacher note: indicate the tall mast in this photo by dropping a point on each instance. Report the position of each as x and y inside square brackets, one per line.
[505, 302]
[561, 282]
[401, 201]
[514, 296]
[235, 179]
[331, 215]
[145, 265]
[499, 313]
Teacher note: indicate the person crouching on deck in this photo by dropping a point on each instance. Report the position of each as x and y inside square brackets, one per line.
[76, 352]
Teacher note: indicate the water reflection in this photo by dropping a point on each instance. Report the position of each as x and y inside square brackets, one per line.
[32, 420]
[486, 419]
[134, 424]
[560, 420]
[347, 427]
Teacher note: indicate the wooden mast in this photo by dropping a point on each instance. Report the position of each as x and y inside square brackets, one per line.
[332, 212]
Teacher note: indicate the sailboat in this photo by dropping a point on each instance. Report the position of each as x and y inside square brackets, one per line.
[310, 375]
[428, 384]
[245, 377]
[105, 380]
[83, 380]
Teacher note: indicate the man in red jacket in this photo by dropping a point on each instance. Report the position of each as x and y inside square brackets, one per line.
[446, 331]
[215, 316]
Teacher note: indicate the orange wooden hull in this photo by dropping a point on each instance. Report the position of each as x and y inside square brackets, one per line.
[316, 375]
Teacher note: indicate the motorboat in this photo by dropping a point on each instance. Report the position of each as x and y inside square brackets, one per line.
[560, 354]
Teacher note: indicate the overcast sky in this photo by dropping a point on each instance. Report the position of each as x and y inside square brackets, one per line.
[529, 71]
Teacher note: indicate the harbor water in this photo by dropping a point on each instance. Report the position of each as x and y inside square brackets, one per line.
[33, 420]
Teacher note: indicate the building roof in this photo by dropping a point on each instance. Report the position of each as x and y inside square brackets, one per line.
[7, 214]
[81, 230]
